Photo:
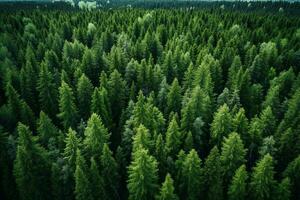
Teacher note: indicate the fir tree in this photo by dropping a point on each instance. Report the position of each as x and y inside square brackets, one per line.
[263, 182]
[238, 187]
[142, 181]
[167, 190]
[67, 107]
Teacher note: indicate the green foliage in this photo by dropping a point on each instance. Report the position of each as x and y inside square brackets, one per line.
[67, 109]
[167, 190]
[111, 104]
[238, 187]
[142, 176]
[232, 155]
[262, 182]
[31, 167]
[96, 135]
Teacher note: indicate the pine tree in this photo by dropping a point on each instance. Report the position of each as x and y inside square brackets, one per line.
[84, 94]
[96, 135]
[47, 92]
[191, 179]
[283, 191]
[96, 180]
[173, 138]
[174, 97]
[292, 172]
[238, 187]
[100, 105]
[142, 181]
[197, 105]
[72, 144]
[117, 94]
[31, 168]
[142, 139]
[232, 155]
[67, 107]
[109, 167]
[263, 182]
[83, 189]
[167, 191]
[221, 125]
[213, 175]
[46, 129]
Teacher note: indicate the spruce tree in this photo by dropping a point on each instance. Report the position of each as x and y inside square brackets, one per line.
[84, 94]
[142, 181]
[262, 181]
[221, 125]
[83, 189]
[67, 107]
[167, 191]
[96, 135]
[47, 92]
[31, 168]
[238, 186]
[213, 175]
[109, 172]
[232, 155]
[174, 97]
[192, 177]
[173, 138]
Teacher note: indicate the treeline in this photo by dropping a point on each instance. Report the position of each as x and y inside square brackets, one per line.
[149, 104]
[290, 8]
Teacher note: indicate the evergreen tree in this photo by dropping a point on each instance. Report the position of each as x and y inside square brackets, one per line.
[173, 138]
[96, 135]
[46, 129]
[142, 181]
[109, 167]
[167, 190]
[82, 185]
[67, 107]
[238, 187]
[47, 92]
[174, 97]
[84, 94]
[96, 181]
[263, 182]
[100, 105]
[31, 168]
[192, 180]
[213, 175]
[292, 172]
[221, 125]
[232, 155]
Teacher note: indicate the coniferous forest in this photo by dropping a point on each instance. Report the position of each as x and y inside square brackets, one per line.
[142, 103]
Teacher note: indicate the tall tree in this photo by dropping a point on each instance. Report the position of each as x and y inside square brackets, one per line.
[173, 138]
[142, 179]
[191, 179]
[238, 187]
[82, 184]
[109, 166]
[221, 125]
[67, 107]
[174, 97]
[84, 95]
[47, 91]
[263, 182]
[167, 191]
[31, 168]
[232, 155]
[96, 135]
[213, 175]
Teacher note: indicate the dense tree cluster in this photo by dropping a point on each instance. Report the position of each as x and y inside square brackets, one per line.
[149, 104]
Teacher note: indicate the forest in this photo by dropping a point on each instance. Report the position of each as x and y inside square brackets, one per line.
[140, 103]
